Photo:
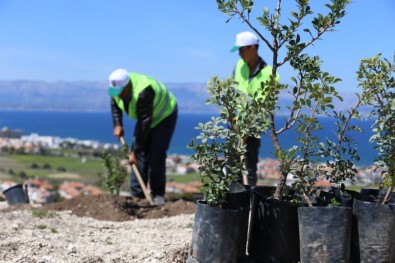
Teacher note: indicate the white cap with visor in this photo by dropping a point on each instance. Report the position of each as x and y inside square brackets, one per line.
[117, 81]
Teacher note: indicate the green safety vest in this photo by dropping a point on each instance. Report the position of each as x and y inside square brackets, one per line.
[164, 101]
[242, 77]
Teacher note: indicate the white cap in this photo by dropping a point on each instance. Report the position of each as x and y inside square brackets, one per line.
[244, 39]
[117, 81]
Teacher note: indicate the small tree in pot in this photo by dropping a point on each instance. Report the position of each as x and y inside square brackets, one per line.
[313, 93]
[220, 228]
[376, 78]
[220, 147]
[320, 217]
[376, 220]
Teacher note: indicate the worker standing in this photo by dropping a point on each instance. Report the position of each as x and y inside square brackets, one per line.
[155, 110]
[250, 72]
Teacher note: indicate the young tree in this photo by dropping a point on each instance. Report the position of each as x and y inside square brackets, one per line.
[221, 149]
[116, 173]
[377, 81]
[313, 91]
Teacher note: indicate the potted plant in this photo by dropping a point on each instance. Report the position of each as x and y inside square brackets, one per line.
[221, 219]
[332, 160]
[313, 92]
[376, 219]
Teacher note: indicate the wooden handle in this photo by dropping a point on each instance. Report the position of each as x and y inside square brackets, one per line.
[139, 178]
[142, 184]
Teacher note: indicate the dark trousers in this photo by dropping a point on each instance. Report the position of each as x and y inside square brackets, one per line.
[252, 155]
[152, 160]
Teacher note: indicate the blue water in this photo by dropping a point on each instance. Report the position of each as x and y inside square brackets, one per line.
[98, 126]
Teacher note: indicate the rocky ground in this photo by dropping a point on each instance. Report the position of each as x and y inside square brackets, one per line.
[91, 229]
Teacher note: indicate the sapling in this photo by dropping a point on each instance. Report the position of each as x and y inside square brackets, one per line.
[312, 90]
[377, 81]
[113, 180]
[220, 147]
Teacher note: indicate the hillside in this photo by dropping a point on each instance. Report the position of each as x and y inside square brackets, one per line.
[85, 96]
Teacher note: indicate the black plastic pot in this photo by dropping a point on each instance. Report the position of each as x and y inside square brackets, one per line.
[374, 195]
[345, 198]
[239, 198]
[375, 231]
[216, 235]
[274, 233]
[325, 234]
[16, 195]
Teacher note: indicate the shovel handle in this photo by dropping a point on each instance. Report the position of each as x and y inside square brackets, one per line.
[142, 184]
[139, 178]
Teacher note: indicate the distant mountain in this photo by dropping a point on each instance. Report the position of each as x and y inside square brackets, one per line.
[86, 96]
[92, 96]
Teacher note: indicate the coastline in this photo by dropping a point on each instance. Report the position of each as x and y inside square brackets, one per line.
[97, 127]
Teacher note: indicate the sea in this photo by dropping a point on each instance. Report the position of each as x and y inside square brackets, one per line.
[98, 126]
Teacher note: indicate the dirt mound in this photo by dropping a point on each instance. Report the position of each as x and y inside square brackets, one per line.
[100, 207]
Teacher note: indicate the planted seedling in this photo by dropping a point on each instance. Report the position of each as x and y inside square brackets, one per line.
[113, 180]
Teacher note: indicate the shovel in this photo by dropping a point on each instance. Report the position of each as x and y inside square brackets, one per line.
[139, 178]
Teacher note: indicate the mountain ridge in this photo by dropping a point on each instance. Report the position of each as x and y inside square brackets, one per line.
[86, 96]
[91, 96]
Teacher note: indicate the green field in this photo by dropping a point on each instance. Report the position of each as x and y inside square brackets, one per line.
[184, 178]
[20, 167]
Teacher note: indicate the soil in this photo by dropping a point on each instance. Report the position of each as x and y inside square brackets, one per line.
[101, 207]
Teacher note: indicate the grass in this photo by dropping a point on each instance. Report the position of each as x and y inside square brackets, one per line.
[184, 178]
[71, 164]
[38, 213]
[54, 167]
[75, 169]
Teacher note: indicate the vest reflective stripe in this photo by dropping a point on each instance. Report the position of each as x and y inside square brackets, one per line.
[164, 102]
[242, 77]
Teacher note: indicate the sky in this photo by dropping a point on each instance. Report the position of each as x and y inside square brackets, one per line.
[170, 40]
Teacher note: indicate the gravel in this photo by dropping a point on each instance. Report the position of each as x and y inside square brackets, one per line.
[61, 237]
